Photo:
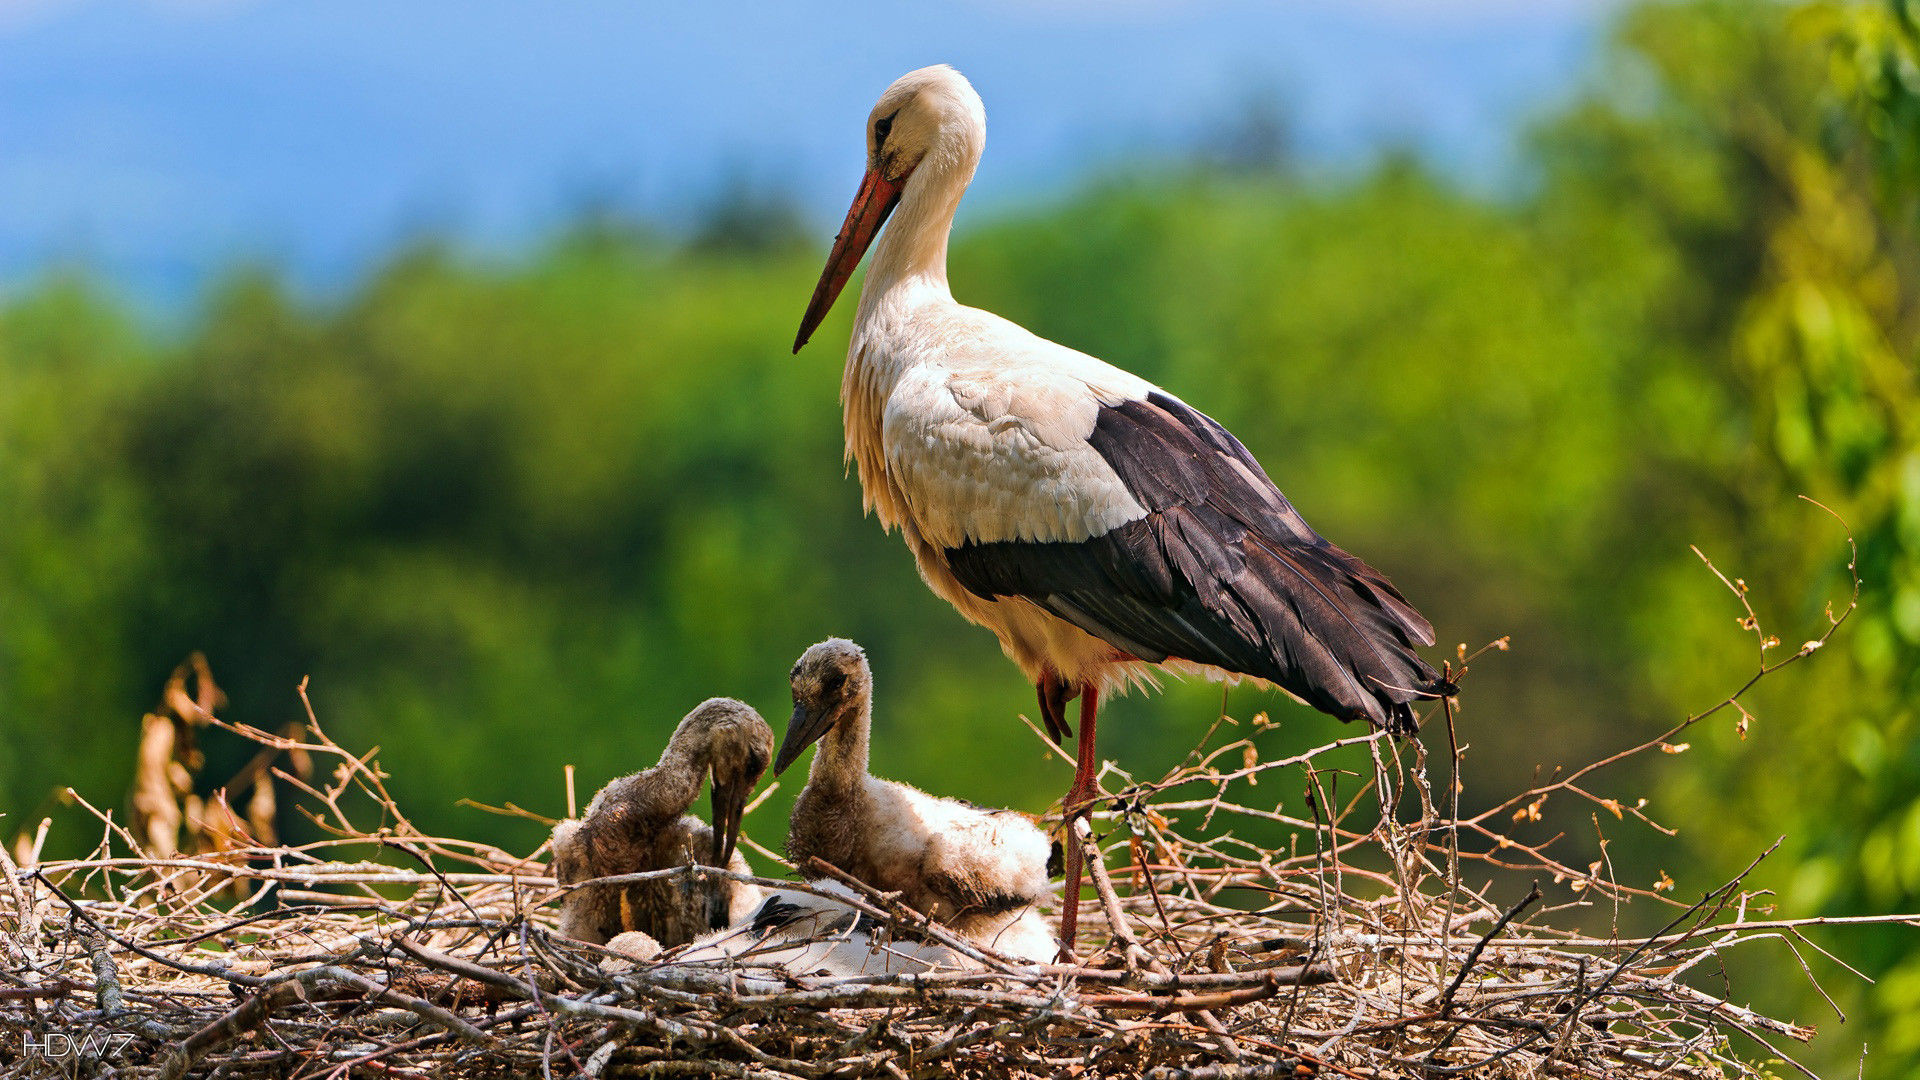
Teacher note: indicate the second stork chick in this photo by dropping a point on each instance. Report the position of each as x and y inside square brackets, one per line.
[640, 823]
[980, 871]
[808, 934]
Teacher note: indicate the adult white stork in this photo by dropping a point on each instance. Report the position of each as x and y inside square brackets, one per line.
[1096, 523]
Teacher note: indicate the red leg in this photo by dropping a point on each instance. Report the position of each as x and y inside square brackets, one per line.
[1078, 804]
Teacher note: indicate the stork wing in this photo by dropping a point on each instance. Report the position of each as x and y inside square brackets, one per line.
[1219, 570]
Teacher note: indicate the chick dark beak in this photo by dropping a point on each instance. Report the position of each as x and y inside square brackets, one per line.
[729, 801]
[875, 200]
[806, 728]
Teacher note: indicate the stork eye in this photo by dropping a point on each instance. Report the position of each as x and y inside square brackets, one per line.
[832, 683]
[881, 127]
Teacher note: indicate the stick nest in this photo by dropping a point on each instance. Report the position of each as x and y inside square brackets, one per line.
[1388, 936]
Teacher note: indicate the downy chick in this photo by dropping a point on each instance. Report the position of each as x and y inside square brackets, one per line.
[978, 870]
[640, 822]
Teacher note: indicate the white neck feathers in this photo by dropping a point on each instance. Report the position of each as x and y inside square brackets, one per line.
[913, 246]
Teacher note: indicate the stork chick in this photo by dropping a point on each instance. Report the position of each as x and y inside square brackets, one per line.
[979, 871]
[806, 934]
[803, 933]
[640, 823]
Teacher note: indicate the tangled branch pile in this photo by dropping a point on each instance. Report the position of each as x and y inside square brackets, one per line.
[1366, 951]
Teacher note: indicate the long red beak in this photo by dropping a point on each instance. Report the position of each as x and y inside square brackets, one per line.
[876, 199]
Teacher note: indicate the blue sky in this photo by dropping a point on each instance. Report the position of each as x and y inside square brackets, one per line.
[157, 141]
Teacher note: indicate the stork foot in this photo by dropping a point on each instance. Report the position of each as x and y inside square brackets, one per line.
[1054, 693]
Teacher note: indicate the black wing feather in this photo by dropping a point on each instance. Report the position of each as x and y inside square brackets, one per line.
[1221, 571]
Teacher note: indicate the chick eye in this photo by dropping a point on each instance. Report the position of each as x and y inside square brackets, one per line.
[880, 129]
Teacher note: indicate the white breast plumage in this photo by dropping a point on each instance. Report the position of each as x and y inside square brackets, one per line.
[997, 449]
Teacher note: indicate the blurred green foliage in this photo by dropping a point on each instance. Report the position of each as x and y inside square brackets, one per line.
[511, 517]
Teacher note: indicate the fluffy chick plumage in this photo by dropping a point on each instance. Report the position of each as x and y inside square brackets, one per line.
[978, 870]
[640, 823]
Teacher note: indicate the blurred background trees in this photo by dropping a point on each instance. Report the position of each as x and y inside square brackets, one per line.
[515, 515]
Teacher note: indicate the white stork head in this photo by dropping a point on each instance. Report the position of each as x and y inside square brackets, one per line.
[831, 684]
[737, 745]
[924, 138]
